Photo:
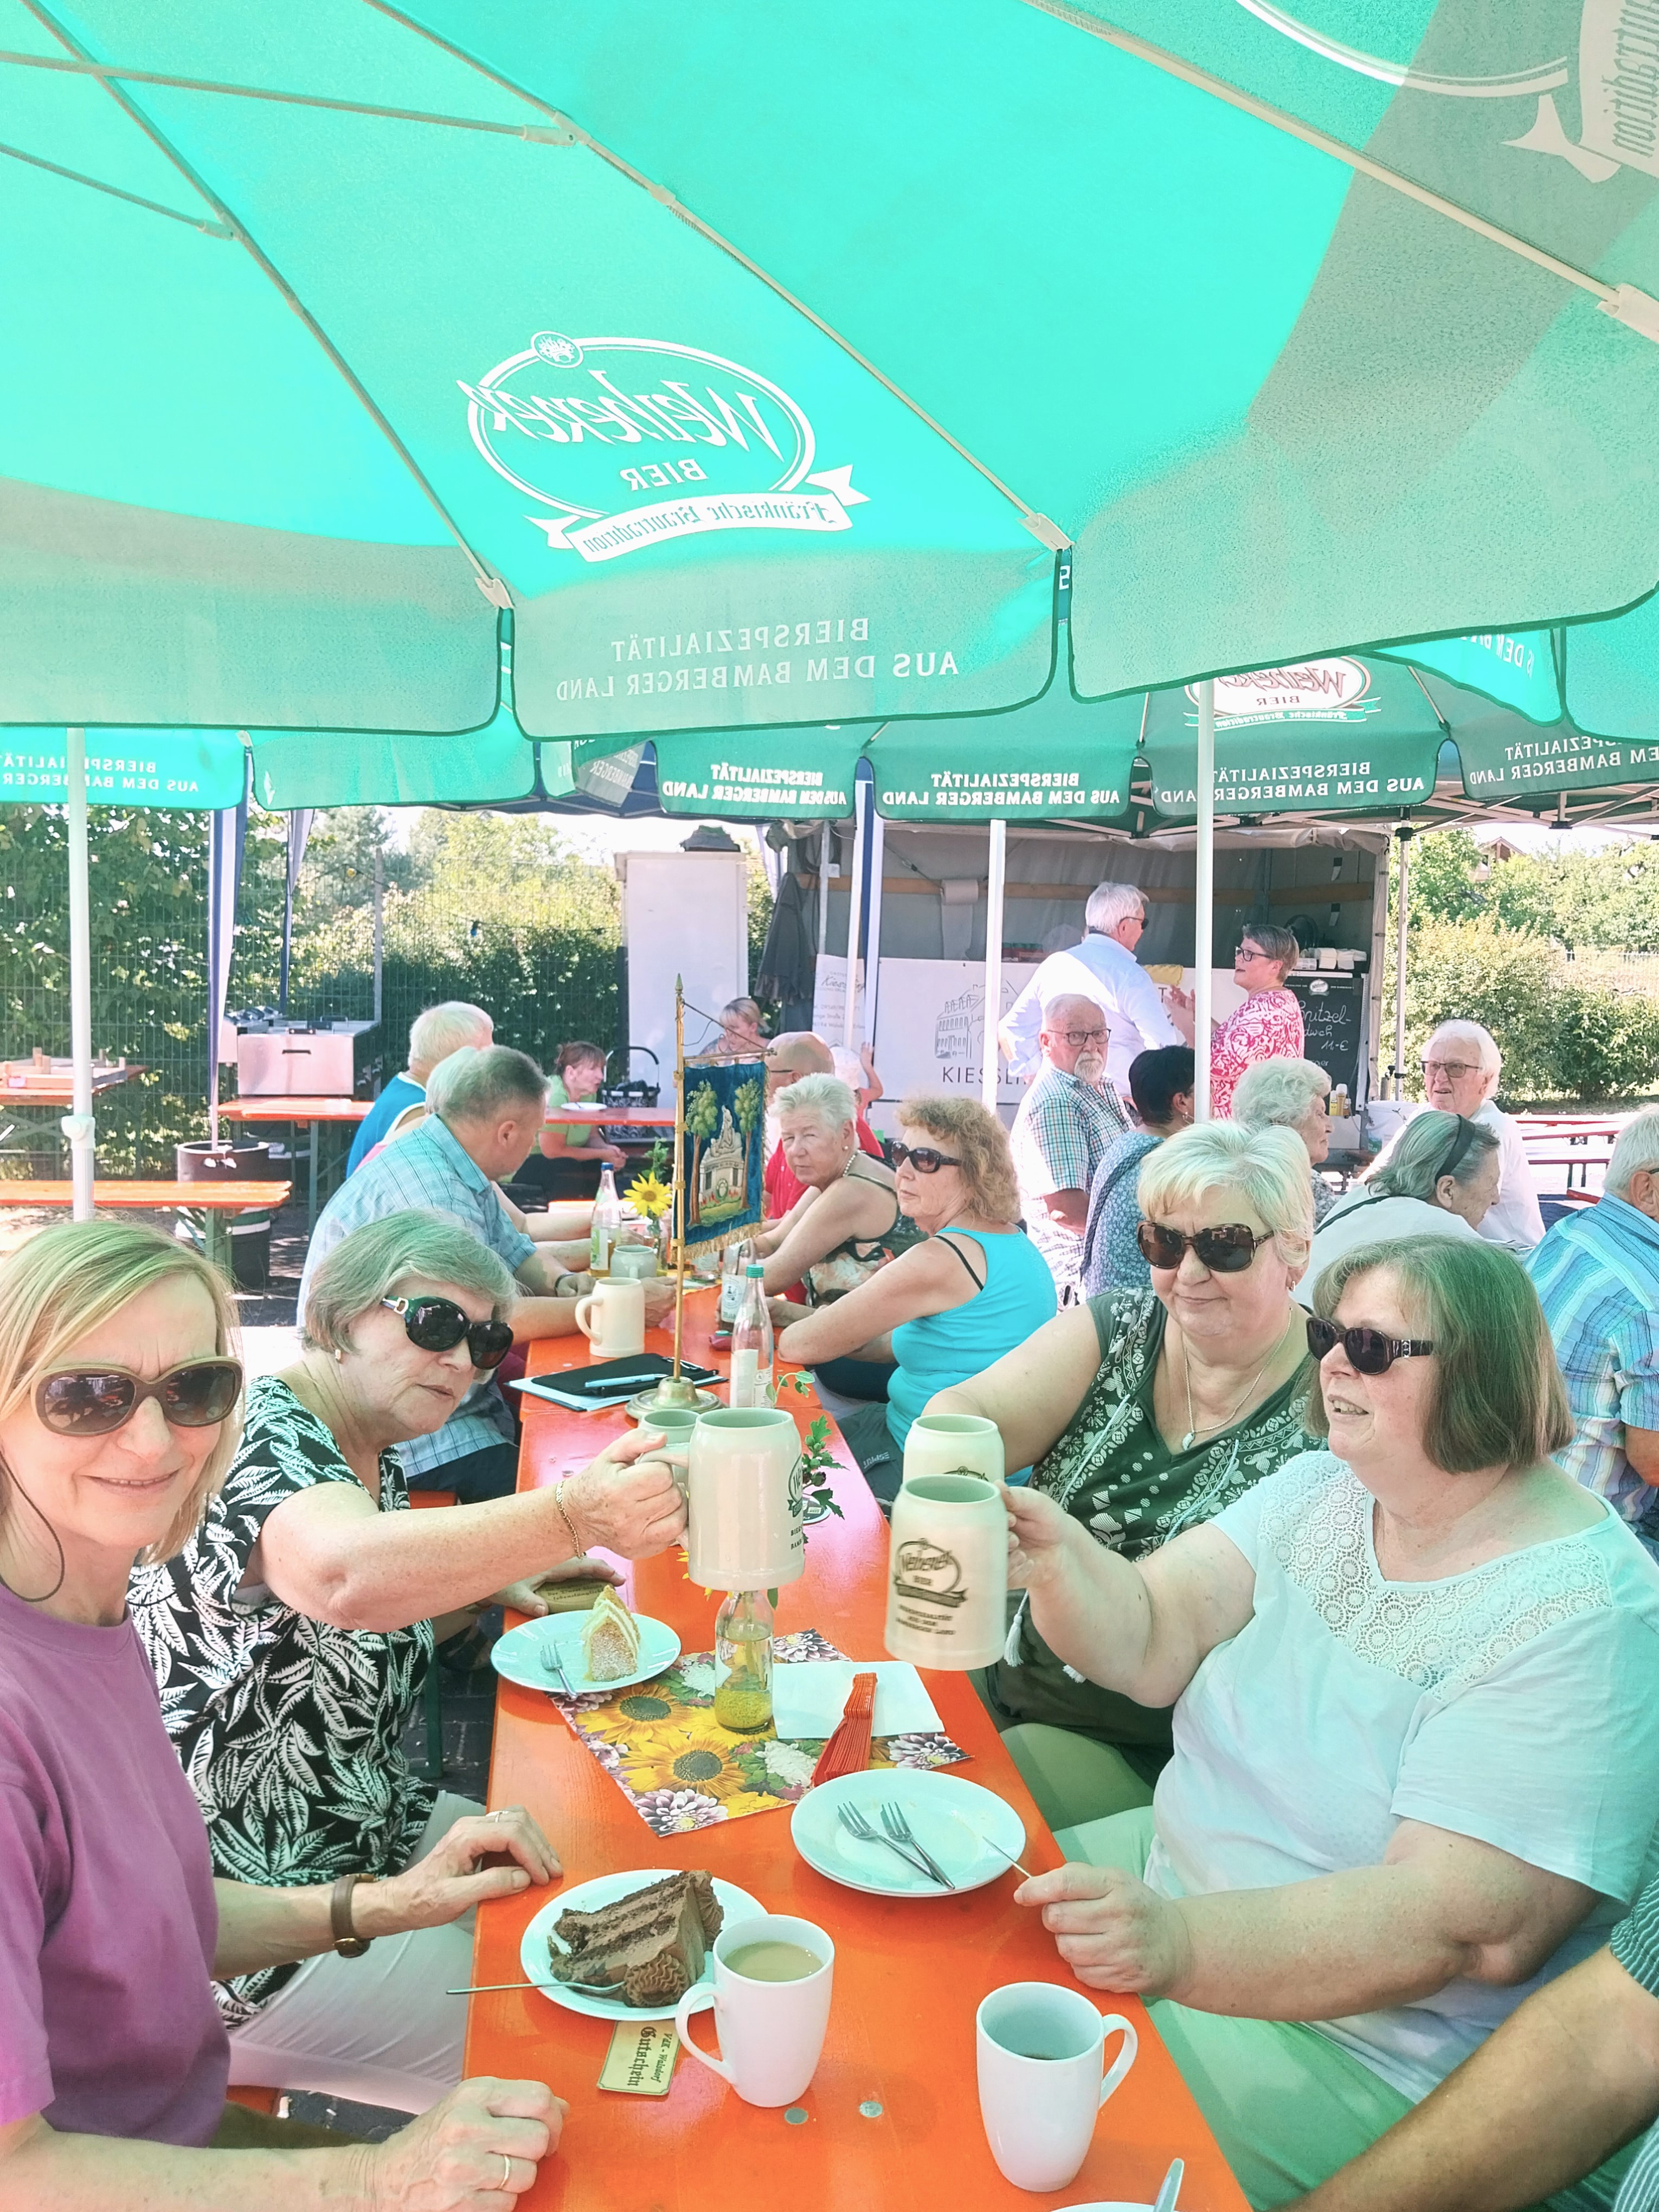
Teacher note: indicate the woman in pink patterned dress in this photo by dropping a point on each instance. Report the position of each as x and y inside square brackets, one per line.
[1268, 1025]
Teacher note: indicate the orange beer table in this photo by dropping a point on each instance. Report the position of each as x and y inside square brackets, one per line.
[893, 2113]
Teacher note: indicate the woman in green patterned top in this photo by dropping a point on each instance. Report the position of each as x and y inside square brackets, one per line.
[1146, 1412]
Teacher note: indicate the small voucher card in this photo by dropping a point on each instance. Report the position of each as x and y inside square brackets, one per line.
[641, 2060]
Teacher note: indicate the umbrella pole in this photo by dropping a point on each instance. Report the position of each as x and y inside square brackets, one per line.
[1402, 882]
[823, 944]
[854, 916]
[679, 1170]
[1204, 903]
[77, 1125]
[872, 936]
[990, 1056]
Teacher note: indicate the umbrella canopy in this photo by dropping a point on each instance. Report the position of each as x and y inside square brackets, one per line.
[764, 374]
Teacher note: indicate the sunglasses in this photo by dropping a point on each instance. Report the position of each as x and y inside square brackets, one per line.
[1369, 1351]
[95, 1402]
[922, 1157]
[439, 1325]
[1227, 1250]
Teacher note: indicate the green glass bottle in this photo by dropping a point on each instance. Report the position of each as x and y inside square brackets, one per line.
[743, 1649]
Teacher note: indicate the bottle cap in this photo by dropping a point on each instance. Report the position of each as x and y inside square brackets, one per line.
[754, 1268]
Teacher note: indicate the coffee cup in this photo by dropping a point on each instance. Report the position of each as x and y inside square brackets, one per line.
[771, 2030]
[953, 1444]
[1041, 2049]
[612, 1319]
[947, 1575]
[745, 1528]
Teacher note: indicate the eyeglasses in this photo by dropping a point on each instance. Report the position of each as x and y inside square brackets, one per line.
[1228, 1250]
[95, 1402]
[1080, 1037]
[439, 1325]
[922, 1157]
[1452, 1069]
[1369, 1351]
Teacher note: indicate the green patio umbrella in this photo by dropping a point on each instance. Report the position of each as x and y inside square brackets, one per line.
[766, 373]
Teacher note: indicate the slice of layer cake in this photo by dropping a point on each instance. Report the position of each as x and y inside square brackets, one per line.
[610, 1639]
[648, 1948]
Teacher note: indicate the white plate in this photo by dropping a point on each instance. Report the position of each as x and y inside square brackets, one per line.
[1103, 2207]
[952, 1818]
[519, 1655]
[590, 1897]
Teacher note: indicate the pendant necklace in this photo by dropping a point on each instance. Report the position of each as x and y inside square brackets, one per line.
[1215, 1428]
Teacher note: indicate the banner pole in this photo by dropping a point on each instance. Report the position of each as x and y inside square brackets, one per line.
[679, 1170]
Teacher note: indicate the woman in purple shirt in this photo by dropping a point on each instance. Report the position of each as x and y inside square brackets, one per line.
[117, 1397]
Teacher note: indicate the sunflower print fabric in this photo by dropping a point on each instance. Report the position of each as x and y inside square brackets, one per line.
[662, 1746]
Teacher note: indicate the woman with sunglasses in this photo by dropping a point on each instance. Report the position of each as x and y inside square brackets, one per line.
[948, 1306]
[1438, 1181]
[1144, 1412]
[291, 1635]
[118, 1402]
[1417, 1738]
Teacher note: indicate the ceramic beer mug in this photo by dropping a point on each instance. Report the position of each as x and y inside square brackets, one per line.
[953, 1444]
[744, 1499]
[612, 1319]
[947, 1588]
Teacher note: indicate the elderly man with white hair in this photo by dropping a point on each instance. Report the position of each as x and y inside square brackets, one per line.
[1102, 968]
[1065, 1120]
[1596, 1275]
[435, 1033]
[1461, 1067]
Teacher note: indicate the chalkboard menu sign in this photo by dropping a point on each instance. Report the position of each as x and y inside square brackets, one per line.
[1334, 1019]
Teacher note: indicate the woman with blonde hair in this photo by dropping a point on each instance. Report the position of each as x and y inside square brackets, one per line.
[953, 1304]
[119, 1391]
[1145, 1412]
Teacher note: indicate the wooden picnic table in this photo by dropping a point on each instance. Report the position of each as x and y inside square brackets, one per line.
[22, 1083]
[894, 2109]
[301, 1113]
[617, 1117]
[211, 1200]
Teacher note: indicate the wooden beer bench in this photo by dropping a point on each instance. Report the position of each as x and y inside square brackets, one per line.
[213, 1201]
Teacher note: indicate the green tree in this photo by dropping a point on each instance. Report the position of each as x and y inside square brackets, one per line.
[1445, 864]
[747, 1110]
[702, 1119]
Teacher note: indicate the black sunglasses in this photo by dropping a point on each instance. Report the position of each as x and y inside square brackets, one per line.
[439, 1325]
[95, 1402]
[1369, 1351]
[1227, 1250]
[921, 1156]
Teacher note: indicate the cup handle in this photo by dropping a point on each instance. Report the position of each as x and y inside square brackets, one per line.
[583, 1317]
[683, 2029]
[1125, 2059]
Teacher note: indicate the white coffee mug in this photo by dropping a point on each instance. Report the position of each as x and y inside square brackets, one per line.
[770, 2033]
[612, 1319]
[744, 1499]
[947, 1572]
[1041, 2047]
[953, 1444]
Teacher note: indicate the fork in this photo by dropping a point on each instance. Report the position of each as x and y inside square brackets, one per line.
[552, 1664]
[899, 1828]
[857, 1825]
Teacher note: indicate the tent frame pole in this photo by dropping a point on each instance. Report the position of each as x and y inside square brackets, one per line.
[824, 835]
[995, 888]
[1204, 902]
[1402, 886]
[77, 1125]
[854, 916]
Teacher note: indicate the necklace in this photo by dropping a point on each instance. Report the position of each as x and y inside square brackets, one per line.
[1217, 1427]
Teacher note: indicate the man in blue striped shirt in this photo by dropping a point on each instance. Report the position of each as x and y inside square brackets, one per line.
[1597, 1278]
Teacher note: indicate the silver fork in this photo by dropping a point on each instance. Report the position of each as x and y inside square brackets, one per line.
[856, 1824]
[552, 1664]
[893, 1820]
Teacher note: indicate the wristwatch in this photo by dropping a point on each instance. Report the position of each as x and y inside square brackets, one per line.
[347, 1941]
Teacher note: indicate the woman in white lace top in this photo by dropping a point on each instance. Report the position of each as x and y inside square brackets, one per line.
[1416, 1690]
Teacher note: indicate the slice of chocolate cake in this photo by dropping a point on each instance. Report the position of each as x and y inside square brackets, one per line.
[648, 1948]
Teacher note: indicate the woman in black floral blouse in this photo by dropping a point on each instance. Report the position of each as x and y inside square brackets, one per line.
[291, 1636]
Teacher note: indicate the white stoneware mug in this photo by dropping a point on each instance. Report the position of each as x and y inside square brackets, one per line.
[631, 1262]
[744, 1499]
[953, 1444]
[770, 2033]
[947, 1572]
[1041, 2047]
[612, 1319]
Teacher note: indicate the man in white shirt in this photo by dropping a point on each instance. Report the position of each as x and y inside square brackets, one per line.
[1102, 968]
[1461, 1067]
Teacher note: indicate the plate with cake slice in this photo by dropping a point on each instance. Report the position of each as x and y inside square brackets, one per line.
[606, 1648]
[629, 1946]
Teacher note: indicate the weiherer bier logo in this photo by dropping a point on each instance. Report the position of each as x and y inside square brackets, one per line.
[1335, 690]
[628, 442]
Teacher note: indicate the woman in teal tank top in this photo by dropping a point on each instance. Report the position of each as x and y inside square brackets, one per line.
[951, 1306]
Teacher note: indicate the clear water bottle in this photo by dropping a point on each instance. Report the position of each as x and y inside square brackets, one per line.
[743, 1659]
[751, 1343]
[607, 1224]
[733, 1260]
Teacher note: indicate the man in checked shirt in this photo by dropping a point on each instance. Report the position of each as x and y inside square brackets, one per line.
[1065, 1122]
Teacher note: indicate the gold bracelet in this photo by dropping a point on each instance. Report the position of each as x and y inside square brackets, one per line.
[564, 1516]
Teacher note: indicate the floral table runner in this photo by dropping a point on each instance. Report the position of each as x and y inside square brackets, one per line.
[661, 1746]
